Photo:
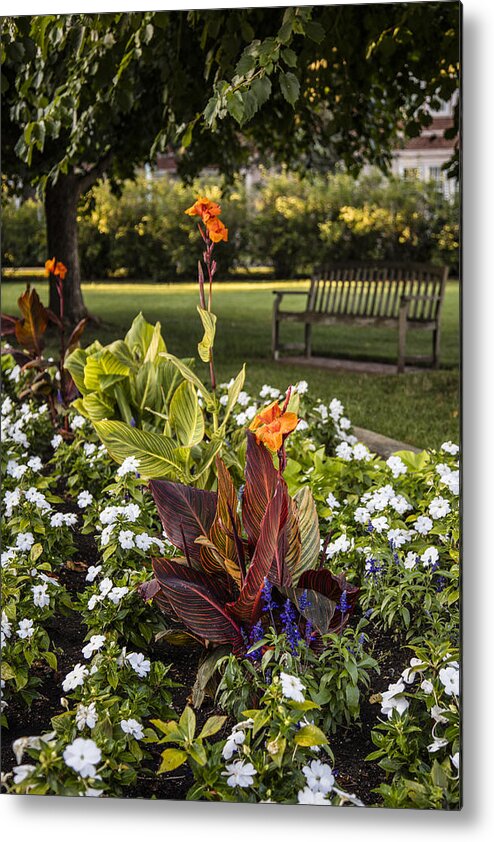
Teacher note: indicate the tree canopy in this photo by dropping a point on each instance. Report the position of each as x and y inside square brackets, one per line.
[86, 95]
[336, 83]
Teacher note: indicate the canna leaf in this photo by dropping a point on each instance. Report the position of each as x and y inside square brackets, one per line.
[261, 479]
[154, 452]
[30, 330]
[185, 513]
[221, 543]
[186, 417]
[205, 346]
[171, 759]
[199, 601]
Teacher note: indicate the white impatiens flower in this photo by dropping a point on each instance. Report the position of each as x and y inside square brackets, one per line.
[410, 561]
[132, 727]
[89, 448]
[452, 481]
[398, 537]
[105, 586]
[344, 451]
[24, 541]
[408, 675]
[40, 595]
[15, 470]
[77, 422]
[361, 452]
[436, 713]
[341, 545]
[6, 627]
[126, 539]
[302, 387]
[139, 663]
[143, 541]
[22, 772]
[308, 796]
[74, 678]
[450, 679]
[449, 447]
[292, 687]
[84, 499]
[429, 556]
[439, 508]
[130, 465]
[345, 423]
[56, 441]
[336, 409]
[379, 524]
[332, 502]
[35, 463]
[361, 515]
[455, 759]
[92, 572]
[82, 756]
[93, 601]
[427, 686]
[393, 699]
[423, 525]
[25, 629]
[396, 466]
[319, 776]
[239, 773]
[116, 594]
[235, 740]
[95, 643]
[439, 743]
[86, 715]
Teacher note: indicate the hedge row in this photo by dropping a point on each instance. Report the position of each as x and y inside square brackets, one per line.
[284, 221]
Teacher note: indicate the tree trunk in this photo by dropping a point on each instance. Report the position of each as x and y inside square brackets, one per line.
[61, 201]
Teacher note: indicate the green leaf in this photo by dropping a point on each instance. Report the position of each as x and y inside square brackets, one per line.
[352, 696]
[7, 672]
[186, 418]
[155, 453]
[145, 339]
[205, 346]
[246, 63]
[188, 722]
[212, 726]
[171, 759]
[290, 87]
[198, 753]
[261, 88]
[289, 57]
[314, 31]
[310, 735]
[189, 375]
[36, 551]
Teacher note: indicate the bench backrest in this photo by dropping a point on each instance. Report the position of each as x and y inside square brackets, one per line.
[376, 289]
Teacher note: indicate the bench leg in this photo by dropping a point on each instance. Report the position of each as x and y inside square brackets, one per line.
[308, 340]
[402, 338]
[275, 336]
[436, 344]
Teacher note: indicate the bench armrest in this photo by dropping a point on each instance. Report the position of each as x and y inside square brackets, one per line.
[405, 299]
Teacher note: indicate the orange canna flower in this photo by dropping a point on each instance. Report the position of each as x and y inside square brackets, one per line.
[272, 425]
[216, 230]
[54, 267]
[204, 208]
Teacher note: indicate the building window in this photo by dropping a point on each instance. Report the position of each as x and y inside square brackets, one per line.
[411, 173]
[436, 174]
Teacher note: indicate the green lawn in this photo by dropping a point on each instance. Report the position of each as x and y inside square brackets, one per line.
[420, 408]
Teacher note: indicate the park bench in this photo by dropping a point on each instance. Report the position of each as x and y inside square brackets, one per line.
[408, 296]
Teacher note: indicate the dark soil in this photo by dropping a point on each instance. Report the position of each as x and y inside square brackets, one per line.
[350, 746]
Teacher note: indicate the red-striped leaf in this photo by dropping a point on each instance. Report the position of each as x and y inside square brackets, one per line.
[331, 586]
[185, 513]
[261, 479]
[199, 601]
[221, 532]
[246, 607]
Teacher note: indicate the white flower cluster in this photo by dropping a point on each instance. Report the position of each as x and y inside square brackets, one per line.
[15, 418]
[107, 590]
[13, 499]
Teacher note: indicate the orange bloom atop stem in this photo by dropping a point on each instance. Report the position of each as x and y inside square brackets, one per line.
[209, 212]
[57, 268]
[272, 425]
[216, 230]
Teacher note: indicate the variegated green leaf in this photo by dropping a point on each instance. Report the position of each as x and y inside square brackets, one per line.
[186, 418]
[155, 453]
[205, 346]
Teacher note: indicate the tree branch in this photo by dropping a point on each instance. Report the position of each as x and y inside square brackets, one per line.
[86, 180]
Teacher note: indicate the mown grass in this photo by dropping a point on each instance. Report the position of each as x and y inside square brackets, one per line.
[420, 408]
